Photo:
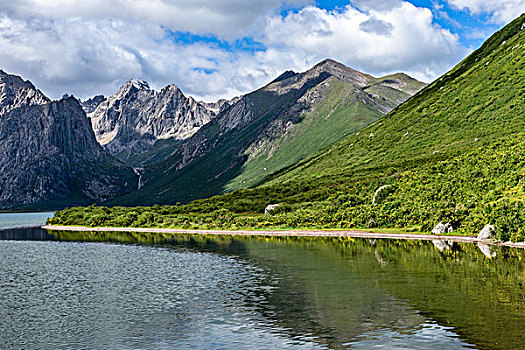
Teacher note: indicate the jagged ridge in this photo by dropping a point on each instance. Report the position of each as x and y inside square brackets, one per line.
[49, 156]
[253, 137]
[132, 120]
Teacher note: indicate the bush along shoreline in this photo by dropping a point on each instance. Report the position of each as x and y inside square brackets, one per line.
[468, 192]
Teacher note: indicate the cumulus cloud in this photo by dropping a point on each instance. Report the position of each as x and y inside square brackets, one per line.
[225, 18]
[86, 48]
[402, 38]
[376, 26]
[500, 11]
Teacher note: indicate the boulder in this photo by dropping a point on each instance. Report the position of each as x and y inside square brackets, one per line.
[442, 228]
[374, 199]
[486, 233]
[271, 207]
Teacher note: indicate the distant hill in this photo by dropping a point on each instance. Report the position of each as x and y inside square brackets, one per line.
[266, 131]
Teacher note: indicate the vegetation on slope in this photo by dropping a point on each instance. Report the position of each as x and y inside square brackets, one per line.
[453, 153]
[267, 131]
[338, 115]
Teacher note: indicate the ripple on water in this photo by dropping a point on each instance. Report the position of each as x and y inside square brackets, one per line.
[258, 296]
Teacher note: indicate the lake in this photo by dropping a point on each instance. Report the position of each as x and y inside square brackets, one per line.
[143, 291]
[13, 220]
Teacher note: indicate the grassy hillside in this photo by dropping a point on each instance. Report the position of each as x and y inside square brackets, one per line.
[454, 153]
[335, 117]
[479, 101]
[267, 131]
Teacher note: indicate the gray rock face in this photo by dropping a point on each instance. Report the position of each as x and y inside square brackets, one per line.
[442, 228]
[48, 151]
[130, 121]
[16, 93]
[486, 233]
[219, 106]
[91, 104]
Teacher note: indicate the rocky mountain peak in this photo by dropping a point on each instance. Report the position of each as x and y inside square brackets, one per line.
[286, 75]
[92, 103]
[49, 154]
[16, 92]
[172, 90]
[132, 120]
[341, 72]
[139, 84]
[133, 86]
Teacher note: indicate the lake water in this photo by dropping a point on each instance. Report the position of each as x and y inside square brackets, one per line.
[206, 292]
[13, 220]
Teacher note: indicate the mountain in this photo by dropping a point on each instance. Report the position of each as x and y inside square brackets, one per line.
[268, 130]
[453, 153]
[474, 105]
[49, 156]
[92, 103]
[132, 120]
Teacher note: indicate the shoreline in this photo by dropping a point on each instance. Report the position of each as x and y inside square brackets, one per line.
[290, 233]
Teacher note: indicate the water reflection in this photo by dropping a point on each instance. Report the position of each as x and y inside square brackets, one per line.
[286, 292]
[442, 245]
[487, 250]
[26, 234]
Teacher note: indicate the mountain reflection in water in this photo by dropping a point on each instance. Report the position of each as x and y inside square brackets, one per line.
[213, 292]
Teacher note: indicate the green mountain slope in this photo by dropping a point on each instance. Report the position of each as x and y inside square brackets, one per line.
[335, 117]
[479, 101]
[268, 130]
[455, 153]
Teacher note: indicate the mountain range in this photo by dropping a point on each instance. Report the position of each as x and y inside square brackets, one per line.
[141, 146]
[49, 156]
[452, 156]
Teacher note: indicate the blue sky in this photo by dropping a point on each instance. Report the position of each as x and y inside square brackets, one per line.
[472, 29]
[224, 48]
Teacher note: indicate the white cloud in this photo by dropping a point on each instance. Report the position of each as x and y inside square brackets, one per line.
[225, 18]
[411, 43]
[66, 46]
[501, 11]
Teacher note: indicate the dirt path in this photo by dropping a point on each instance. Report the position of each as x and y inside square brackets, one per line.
[295, 233]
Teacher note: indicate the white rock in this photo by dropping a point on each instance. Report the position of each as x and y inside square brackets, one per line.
[442, 228]
[487, 232]
[271, 207]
